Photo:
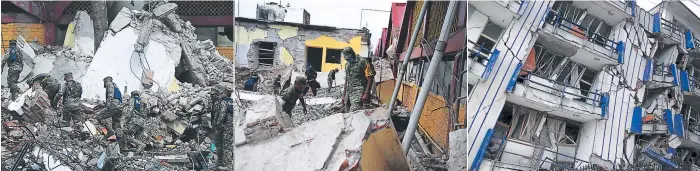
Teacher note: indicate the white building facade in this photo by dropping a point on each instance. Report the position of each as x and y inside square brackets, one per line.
[564, 85]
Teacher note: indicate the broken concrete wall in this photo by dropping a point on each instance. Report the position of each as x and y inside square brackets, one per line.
[458, 150]
[291, 41]
[83, 34]
[265, 119]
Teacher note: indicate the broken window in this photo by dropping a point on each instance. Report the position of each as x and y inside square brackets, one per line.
[488, 39]
[692, 118]
[266, 53]
[333, 56]
[557, 67]
[525, 122]
[568, 11]
[597, 29]
[314, 57]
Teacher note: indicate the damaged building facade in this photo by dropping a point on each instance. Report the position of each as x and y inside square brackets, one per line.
[564, 85]
[264, 43]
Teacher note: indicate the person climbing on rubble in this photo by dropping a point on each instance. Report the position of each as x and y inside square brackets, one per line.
[331, 78]
[113, 101]
[49, 84]
[134, 119]
[252, 82]
[291, 94]
[15, 66]
[311, 80]
[70, 95]
[222, 117]
[359, 76]
[277, 84]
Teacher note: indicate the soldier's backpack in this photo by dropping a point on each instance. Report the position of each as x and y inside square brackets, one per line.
[117, 94]
[229, 105]
[137, 104]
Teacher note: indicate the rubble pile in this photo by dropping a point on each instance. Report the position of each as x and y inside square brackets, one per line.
[152, 51]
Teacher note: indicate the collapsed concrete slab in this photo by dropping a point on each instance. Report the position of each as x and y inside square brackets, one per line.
[458, 150]
[338, 142]
[58, 62]
[265, 119]
[126, 66]
[306, 147]
[83, 34]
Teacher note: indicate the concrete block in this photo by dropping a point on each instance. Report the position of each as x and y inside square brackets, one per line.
[458, 149]
[122, 20]
[265, 119]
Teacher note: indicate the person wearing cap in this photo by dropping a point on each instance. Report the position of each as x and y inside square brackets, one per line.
[134, 118]
[331, 78]
[14, 59]
[359, 75]
[311, 80]
[113, 100]
[277, 84]
[252, 82]
[291, 94]
[49, 84]
[70, 95]
[222, 119]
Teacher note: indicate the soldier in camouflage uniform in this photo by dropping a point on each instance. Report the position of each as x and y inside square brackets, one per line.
[359, 75]
[16, 63]
[222, 119]
[291, 94]
[71, 94]
[134, 119]
[113, 101]
[49, 84]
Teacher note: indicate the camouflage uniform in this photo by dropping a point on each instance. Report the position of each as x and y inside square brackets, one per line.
[277, 84]
[16, 64]
[356, 74]
[134, 118]
[331, 78]
[71, 94]
[112, 107]
[311, 80]
[49, 84]
[291, 94]
[223, 123]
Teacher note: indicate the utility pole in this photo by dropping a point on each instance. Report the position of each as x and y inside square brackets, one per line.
[428, 81]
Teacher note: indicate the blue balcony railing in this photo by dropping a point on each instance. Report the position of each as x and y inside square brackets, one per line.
[662, 25]
[557, 20]
[484, 56]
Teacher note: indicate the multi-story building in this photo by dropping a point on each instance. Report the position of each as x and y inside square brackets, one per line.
[582, 84]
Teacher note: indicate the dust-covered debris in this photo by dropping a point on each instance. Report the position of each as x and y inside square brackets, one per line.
[153, 52]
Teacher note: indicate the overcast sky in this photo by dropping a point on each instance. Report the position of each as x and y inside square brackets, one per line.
[350, 13]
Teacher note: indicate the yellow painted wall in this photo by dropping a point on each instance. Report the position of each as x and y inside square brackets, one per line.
[246, 37]
[326, 42]
[434, 119]
[27, 30]
[226, 51]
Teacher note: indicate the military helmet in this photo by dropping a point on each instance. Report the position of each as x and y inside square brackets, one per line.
[348, 50]
[68, 74]
[135, 93]
[300, 81]
[13, 42]
[108, 78]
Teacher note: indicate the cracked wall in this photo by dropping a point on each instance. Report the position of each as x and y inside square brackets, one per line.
[291, 42]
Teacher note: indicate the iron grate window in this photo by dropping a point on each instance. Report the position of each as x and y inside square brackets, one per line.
[76, 6]
[212, 8]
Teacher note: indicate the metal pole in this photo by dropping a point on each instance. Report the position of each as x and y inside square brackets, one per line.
[434, 63]
[414, 35]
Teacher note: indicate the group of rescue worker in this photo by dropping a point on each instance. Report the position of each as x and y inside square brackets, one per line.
[133, 113]
[359, 75]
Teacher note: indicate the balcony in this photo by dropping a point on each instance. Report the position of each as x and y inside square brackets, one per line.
[480, 63]
[691, 127]
[693, 47]
[667, 31]
[661, 76]
[690, 84]
[612, 12]
[583, 46]
[502, 12]
[558, 98]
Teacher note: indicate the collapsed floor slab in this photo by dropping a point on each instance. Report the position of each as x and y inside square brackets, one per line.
[265, 119]
[458, 150]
